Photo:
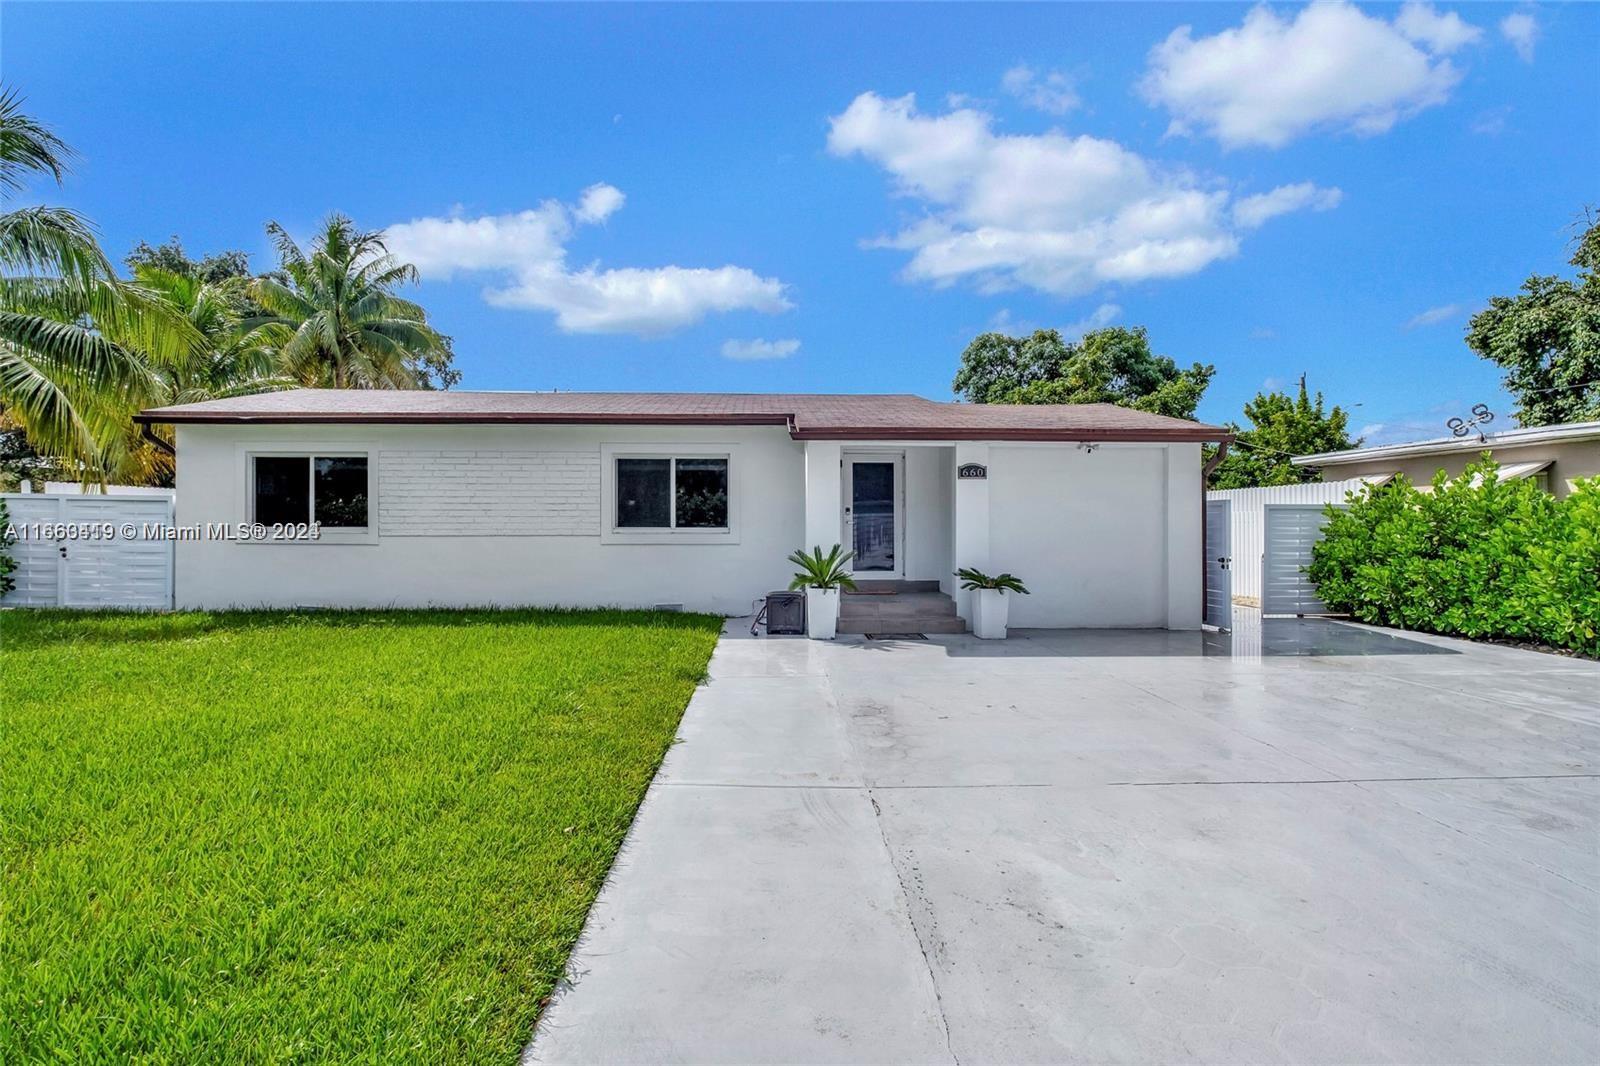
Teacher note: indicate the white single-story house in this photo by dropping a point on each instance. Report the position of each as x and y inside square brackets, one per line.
[1552, 456]
[645, 499]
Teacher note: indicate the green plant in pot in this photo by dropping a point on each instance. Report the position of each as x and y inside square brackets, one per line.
[990, 608]
[822, 574]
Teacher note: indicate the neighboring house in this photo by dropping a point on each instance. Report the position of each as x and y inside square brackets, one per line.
[641, 499]
[1555, 456]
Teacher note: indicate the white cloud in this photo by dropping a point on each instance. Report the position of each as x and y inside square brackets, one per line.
[442, 247]
[757, 349]
[1099, 318]
[1522, 30]
[1492, 123]
[1398, 427]
[1263, 333]
[527, 250]
[598, 202]
[1434, 315]
[1253, 211]
[1051, 92]
[1330, 66]
[1440, 32]
[1049, 211]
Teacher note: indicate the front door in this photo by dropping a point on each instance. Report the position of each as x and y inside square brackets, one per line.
[873, 526]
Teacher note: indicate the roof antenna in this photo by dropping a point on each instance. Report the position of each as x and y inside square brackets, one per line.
[1464, 427]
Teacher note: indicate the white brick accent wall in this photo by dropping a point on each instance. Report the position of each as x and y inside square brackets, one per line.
[489, 493]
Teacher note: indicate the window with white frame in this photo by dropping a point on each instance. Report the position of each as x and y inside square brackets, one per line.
[331, 490]
[672, 492]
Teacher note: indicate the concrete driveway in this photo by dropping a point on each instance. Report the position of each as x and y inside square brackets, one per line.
[1311, 842]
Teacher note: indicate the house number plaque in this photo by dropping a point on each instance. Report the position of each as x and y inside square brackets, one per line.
[972, 472]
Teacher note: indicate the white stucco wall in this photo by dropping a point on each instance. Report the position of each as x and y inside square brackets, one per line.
[930, 475]
[505, 515]
[1111, 536]
[517, 515]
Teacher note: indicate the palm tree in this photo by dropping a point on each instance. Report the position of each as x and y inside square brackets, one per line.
[337, 322]
[76, 344]
[230, 358]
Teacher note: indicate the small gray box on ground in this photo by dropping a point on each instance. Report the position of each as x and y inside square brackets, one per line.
[786, 613]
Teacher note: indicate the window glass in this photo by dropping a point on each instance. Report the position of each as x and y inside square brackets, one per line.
[341, 491]
[282, 490]
[644, 493]
[702, 493]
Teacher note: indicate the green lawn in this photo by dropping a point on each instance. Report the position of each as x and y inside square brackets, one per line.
[317, 836]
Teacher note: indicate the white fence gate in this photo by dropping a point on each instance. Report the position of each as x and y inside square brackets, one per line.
[1219, 565]
[90, 551]
[1289, 530]
[1246, 523]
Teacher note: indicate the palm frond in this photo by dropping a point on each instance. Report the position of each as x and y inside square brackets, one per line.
[27, 146]
[73, 353]
[129, 315]
[51, 240]
[289, 254]
[281, 300]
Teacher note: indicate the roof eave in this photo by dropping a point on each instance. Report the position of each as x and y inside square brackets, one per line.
[159, 417]
[1199, 434]
[1561, 434]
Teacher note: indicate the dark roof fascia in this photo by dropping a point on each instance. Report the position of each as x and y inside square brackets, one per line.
[890, 433]
[848, 433]
[462, 419]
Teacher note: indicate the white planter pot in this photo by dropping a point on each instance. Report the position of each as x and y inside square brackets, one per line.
[990, 609]
[822, 613]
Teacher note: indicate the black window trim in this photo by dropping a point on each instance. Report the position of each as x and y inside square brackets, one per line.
[672, 493]
[311, 457]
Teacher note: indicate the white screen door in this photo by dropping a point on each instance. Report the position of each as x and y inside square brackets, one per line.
[873, 522]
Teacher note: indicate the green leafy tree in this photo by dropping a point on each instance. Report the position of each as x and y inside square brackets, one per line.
[171, 257]
[77, 345]
[1547, 338]
[1281, 426]
[336, 322]
[1113, 365]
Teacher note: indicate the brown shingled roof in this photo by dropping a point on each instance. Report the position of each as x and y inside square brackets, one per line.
[808, 416]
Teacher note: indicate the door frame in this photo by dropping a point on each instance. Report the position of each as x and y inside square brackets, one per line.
[847, 459]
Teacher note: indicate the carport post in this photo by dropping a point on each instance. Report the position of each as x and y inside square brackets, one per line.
[823, 496]
[970, 530]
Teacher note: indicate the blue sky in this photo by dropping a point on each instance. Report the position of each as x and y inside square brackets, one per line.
[621, 197]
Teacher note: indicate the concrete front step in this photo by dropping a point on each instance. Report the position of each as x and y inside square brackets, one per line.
[935, 604]
[919, 609]
[874, 585]
[856, 626]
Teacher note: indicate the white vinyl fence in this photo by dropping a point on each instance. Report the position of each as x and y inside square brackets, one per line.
[90, 551]
[1247, 524]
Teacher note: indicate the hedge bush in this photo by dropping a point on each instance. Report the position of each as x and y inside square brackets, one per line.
[1475, 557]
[8, 564]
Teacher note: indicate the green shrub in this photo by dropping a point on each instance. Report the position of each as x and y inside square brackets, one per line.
[1475, 557]
[8, 565]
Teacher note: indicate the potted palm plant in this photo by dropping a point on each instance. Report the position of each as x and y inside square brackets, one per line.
[990, 607]
[822, 575]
